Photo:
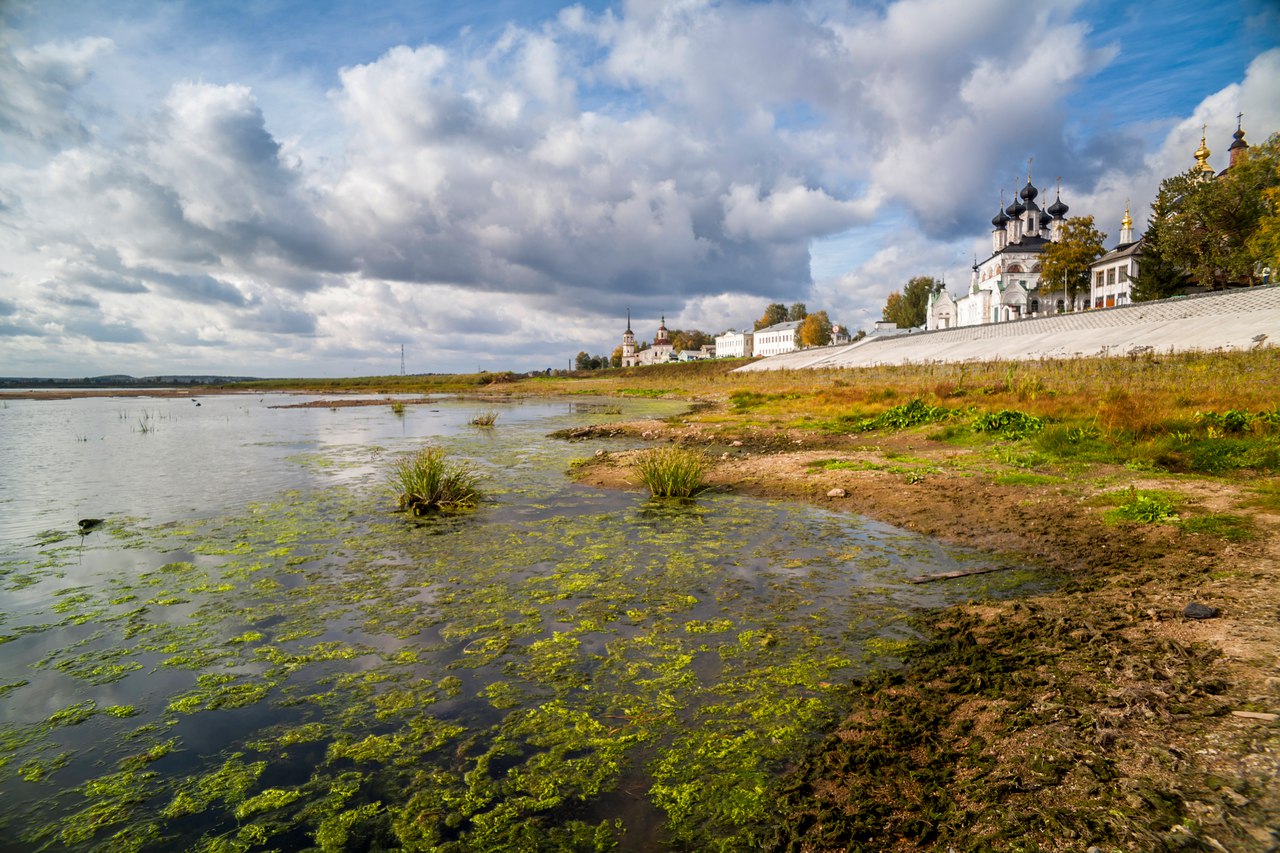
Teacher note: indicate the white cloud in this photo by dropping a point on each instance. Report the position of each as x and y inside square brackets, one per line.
[506, 200]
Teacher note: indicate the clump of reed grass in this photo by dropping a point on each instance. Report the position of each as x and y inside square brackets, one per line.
[673, 471]
[427, 481]
[397, 407]
[484, 419]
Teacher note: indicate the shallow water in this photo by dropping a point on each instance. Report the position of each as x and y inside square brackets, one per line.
[254, 652]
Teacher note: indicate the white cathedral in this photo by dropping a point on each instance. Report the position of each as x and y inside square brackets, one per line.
[1006, 286]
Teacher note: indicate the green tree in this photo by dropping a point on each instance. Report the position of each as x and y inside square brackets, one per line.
[1265, 242]
[908, 308]
[1156, 278]
[798, 311]
[815, 331]
[1209, 227]
[774, 314]
[1065, 265]
[583, 361]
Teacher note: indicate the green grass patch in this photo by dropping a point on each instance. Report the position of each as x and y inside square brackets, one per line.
[1020, 478]
[484, 419]
[672, 471]
[1144, 506]
[427, 481]
[1232, 528]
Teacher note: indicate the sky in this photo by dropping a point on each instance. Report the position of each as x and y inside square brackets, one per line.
[301, 188]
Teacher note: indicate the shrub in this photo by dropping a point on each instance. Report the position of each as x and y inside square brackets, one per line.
[907, 415]
[426, 481]
[672, 471]
[1009, 423]
[484, 419]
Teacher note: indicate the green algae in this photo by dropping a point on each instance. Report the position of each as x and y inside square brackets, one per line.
[468, 684]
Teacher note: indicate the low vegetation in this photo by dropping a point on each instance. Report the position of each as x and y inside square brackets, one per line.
[485, 419]
[427, 481]
[672, 471]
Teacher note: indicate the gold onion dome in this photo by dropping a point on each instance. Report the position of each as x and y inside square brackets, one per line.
[1127, 222]
[1202, 156]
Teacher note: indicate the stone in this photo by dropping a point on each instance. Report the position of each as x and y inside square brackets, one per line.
[1196, 610]
[736, 443]
[836, 493]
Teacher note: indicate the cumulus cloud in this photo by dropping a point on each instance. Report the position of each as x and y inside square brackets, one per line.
[506, 199]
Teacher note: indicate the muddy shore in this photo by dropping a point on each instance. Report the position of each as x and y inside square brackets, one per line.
[1096, 716]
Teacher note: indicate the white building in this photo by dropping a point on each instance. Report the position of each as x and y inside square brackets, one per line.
[1006, 286]
[777, 339]
[733, 344]
[1111, 276]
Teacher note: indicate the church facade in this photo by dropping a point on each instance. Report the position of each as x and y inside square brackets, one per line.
[659, 352]
[1006, 286]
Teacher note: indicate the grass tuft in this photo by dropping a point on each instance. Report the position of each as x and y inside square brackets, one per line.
[673, 471]
[427, 481]
[484, 419]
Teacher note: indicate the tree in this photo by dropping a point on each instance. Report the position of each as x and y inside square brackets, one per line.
[776, 313]
[689, 339]
[798, 311]
[815, 331]
[1265, 242]
[1209, 226]
[1065, 265]
[1157, 278]
[583, 361]
[908, 308]
[615, 360]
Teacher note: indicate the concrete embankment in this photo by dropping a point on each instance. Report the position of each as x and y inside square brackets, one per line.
[1235, 319]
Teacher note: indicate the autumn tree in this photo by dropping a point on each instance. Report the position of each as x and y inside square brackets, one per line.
[797, 311]
[774, 314]
[815, 330]
[909, 307]
[683, 339]
[1065, 265]
[615, 360]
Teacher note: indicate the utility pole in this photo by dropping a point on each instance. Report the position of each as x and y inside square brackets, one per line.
[402, 359]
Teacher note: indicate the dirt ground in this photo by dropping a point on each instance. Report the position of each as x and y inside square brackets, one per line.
[1095, 717]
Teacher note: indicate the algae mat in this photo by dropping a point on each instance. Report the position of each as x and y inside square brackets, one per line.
[562, 669]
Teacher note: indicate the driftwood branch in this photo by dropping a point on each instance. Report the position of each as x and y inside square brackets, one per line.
[962, 573]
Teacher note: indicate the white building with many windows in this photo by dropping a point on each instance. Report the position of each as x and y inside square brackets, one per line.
[734, 344]
[777, 339]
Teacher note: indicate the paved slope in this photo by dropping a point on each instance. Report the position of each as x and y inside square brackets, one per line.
[1232, 319]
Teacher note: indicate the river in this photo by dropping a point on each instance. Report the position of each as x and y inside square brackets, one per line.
[253, 650]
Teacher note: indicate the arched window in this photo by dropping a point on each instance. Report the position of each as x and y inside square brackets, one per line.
[1035, 306]
[1061, 305]
[1016, 268]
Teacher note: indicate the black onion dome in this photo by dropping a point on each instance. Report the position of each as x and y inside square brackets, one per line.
[1058, 210]
[1029, 192]
[999, 219]
[1045, 219]
[1015, 209]
[1238, 136]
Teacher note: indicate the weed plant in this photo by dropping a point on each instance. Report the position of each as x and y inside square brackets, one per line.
[485, 419]
[672, 471]
[427, 481]
[397, 408]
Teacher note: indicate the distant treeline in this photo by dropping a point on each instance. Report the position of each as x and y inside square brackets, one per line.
[119, 380]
